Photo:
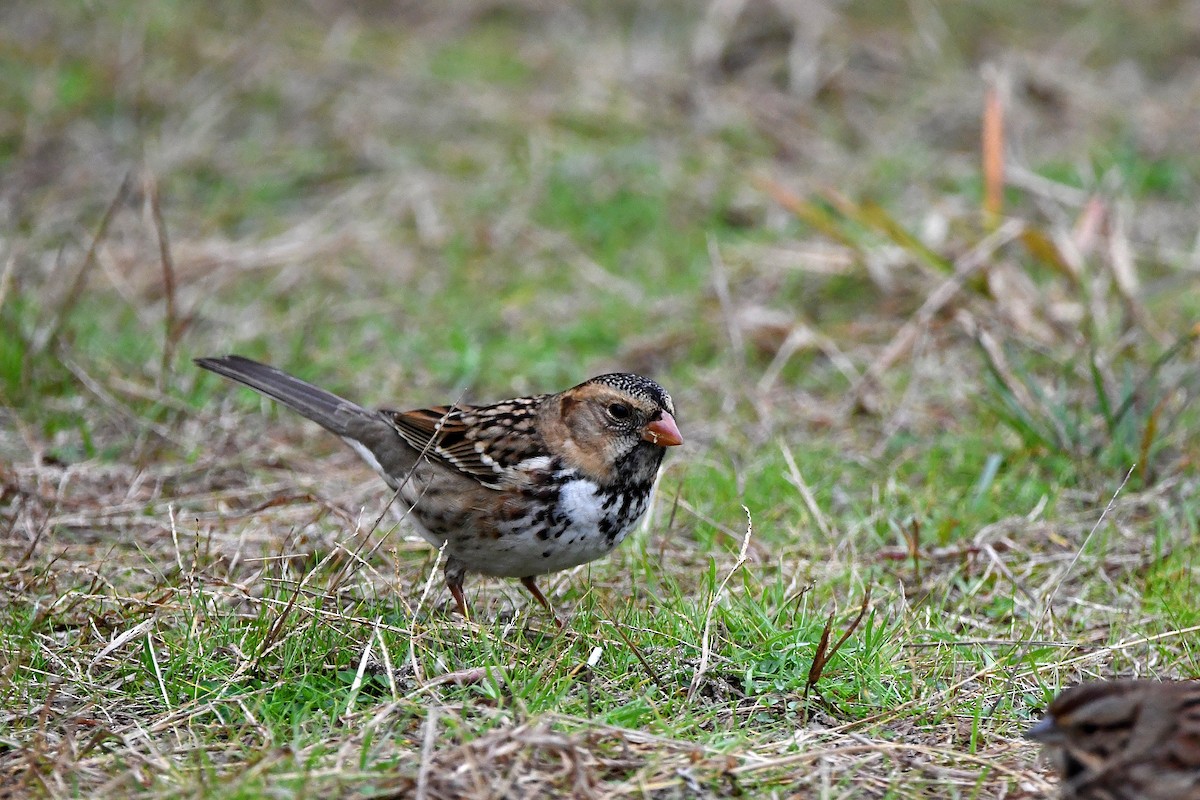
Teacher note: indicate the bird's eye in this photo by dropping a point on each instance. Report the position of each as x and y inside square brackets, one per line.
[619, 411]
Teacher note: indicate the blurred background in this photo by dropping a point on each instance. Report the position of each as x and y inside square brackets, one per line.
[416, 198]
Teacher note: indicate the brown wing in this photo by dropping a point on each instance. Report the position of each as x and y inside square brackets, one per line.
[487, 443]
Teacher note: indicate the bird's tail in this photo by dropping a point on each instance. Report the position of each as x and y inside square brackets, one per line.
[331, 412]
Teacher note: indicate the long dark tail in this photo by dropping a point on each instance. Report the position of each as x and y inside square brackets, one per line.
[324, 408]
[370, 433]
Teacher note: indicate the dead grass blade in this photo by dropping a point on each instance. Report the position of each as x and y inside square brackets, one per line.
[912, 538]
[651, 672]
[10, 266]
[810, 755]
[47, 337]
[173, 326]
[824, 652]
[361, 671]
[720, 279]
[806, 211]
[1048, 603]
[121, 639]
[529, 760]
[1043, 247]
[705, 643]
[993, 147]
[810, 501]
[965, 268]
[1149, 434]
[872, 215]
[1026, 412]
[136, 420]
[428, 742]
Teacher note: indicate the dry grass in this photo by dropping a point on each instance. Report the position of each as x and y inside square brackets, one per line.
[983, 423]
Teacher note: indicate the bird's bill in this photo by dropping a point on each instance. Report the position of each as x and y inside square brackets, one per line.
[663, 432]
[1045, 731]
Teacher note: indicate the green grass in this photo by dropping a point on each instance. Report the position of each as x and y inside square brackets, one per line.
[410, 206]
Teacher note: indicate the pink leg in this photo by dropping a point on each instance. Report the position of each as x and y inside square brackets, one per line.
[531, 584]
[455, 571]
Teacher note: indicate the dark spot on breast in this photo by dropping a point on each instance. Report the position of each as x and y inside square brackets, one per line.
[546, 553]
[543, 534]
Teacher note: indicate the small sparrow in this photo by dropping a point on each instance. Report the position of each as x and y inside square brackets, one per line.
[1125, 740]
[516, 489]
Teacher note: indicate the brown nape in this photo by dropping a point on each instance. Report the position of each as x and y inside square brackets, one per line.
[576, 435]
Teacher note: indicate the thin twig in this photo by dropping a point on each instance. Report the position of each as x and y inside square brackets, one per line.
[49, 335]
[1049, 604]
[172, 329]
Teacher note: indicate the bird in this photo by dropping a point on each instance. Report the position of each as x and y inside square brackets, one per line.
[1125, 740]
[516, 489]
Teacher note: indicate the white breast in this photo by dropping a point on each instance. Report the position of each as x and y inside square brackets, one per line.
[581, 504]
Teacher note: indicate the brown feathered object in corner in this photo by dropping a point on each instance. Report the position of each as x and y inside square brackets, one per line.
[1125, 740]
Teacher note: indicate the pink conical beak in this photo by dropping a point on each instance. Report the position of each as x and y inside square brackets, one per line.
[663, 432]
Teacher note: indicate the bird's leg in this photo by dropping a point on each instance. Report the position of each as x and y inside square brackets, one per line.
[531, 584]
[455, 572]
